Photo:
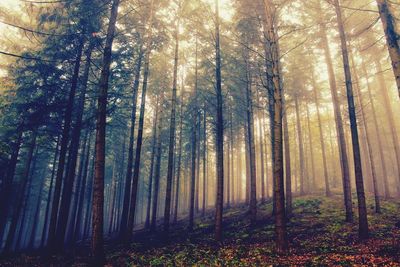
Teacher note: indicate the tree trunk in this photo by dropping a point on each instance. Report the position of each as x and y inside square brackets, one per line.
[369, 151]
[301, 149]
[36, 219]
[53, 245]
[277, 139]
[153, 152]
[153, 223]
[49, 194]
[79, 216]
[204, 161]
[73, 154]
[321, 137]
[124, 231]
[21, 196]
[247, 159]
[171, 148]
[219, 132]
[139, 141]
[389, 113]
[362, 209]
[310, 140]
[389, 22]
[261, 138]
[288, 173]
[378, 134]
[178, 172]
[100, 147]
[344, 163]
[6, 187]
[251, 144]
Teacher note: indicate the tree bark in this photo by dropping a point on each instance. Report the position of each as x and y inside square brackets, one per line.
[153, 153]
[288, 173]
[388, 23]
[301, 148]
[219, 132]
[378, 134]
[172, 128]
[52, 239]
[369, 151]
[344, 163]
[362, 209]
[389, 113]
[49, 195]
[178, 172]
[100, 147]
[153, 223]
[204, 161]
[7, 184]
[139, 141]
[124, 231]
[251, 144]
[73, 154]
[310, 140]
[21, 196]
[277, 139]
[321, 137]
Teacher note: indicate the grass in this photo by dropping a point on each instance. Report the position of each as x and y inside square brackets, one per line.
[318, 236]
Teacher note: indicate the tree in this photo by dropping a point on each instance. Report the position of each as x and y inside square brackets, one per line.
[392, 37]
[172, 128]
[219, 139]
[98, 182]
[344, 164]
[362, 209]
[277, 139]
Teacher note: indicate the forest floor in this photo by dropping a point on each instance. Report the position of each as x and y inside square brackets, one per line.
[318, 236]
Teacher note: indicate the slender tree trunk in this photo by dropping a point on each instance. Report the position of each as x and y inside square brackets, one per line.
[219, 133]
[266, 156]
[49, 194]
[321, 137]
[392, 38]
[378, 134]
[369, 151]
[6, 187]
[124, 232]
[20, 198]
[261, 138]
[204, 161]
[389, 113]
[100, 147]
[310, 140]
[301, 148]
[277, 139]
[139, 141]
[32, 238]
[344, 163]
[193, 146]
[251, 145]
[178, 172]
[52, 239]
[153, 152]
[79, 216]
[153, 223]
[193, 173]
[288, 173]
[247, 159]
[26, 206]
[228, 171]
[171, 148]
[362, 209]
[73, 154]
